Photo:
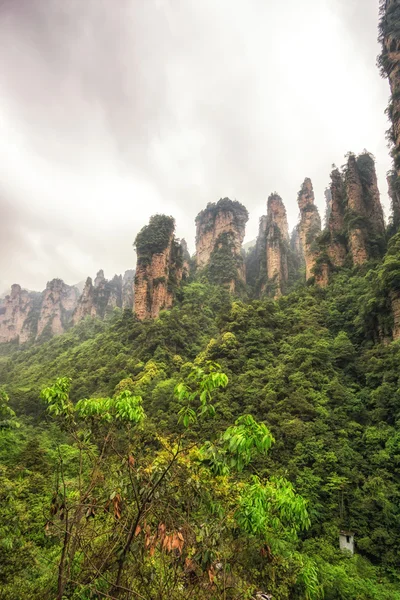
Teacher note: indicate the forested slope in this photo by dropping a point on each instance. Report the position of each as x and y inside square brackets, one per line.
[316, 367]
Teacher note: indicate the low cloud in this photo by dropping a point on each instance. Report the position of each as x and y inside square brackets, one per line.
[112, 111]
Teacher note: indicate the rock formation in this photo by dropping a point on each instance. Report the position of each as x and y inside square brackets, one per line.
[394, 193]
[85, 307]
[270, 255]
[58, 303]
[128, 283]
[14, 315]
[277, 243]
[365, 223]
[185, 260]
[357, 238]
[100, 299]
[337, 249]
[309, 226]
[395, 303]
[220, 230]
[295, 243]
[389, 62]
[99, 280]
[160, 267]
[26, 316]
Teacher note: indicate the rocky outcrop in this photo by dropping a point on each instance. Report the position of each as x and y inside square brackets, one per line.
[99, 279]
[15, 313]
[185, 260]
[394, 193]
[395, 303]
[26, 316]
[337, 248]
[270, 256]
[85, 307]
[58, 303]
[321, 274]
[389, 62]
[220, 229]
[277, 242]
[128, 287]
[100, 299]
[160, 267]
[309, 226]
[364, 215]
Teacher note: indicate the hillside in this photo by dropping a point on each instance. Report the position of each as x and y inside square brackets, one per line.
[221, 426]
[308, 366]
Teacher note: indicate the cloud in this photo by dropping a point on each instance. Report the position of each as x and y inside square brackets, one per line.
[112, 111]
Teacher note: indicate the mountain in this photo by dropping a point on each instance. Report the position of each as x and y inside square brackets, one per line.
[219, 426]
[35, 316]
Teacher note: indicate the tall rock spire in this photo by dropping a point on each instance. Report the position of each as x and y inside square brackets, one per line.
[270, 255]
[220, 229]
[309, 226]
[159, 269]
[389, 62]
[277, 243]
[357, 237]
[58, 304]
[365, 223]
[336, 224]
[14, 316]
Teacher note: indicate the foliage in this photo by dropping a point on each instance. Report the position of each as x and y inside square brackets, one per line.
[239, 211]
[7, 415]
[225, 264]
[154, 237]
[291, 439]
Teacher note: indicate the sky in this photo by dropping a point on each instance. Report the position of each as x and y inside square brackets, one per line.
[113, 110]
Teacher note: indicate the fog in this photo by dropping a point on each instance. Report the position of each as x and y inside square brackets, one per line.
[111, 111]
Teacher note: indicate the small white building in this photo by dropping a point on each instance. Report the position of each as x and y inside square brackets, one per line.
[346, 541]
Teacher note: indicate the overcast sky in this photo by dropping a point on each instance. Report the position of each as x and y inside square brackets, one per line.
[113, 110]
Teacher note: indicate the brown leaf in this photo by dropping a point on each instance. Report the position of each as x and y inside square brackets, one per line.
[190, 565]
[161, 532]
[211, 574]
[117, 506]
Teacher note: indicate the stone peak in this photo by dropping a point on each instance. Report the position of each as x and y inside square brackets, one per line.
[15, 289]
[99, 279]
[276, 215]
[155, 237]
[306, 194]
[223, 205]
[55, 284]
[129, 275]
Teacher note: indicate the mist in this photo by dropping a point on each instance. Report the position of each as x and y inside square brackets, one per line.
[113, 111]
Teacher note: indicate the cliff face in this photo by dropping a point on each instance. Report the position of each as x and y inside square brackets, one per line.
[160, 265]
[85, 307]
[395, 302]
[309, 226]
[14, 315]
[394, 194]
[357, 239]
[128, 294]
[100, 299]
[389, 62]
[185, 260]
[269, 258]
[337, 249]
[58, 303]
[277, 242]
[365, 221]
[26, 316]
[220, 229]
